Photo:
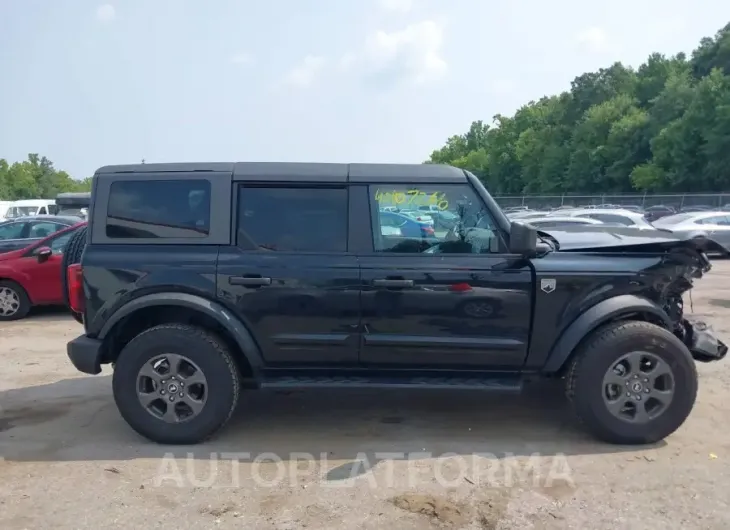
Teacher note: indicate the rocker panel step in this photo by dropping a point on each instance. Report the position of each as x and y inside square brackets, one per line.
[492, 384]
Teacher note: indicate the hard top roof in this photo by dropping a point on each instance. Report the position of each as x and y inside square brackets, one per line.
[302, 171]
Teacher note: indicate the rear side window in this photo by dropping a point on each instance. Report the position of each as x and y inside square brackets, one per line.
[12, 230]
[293, 219]
[154, 209]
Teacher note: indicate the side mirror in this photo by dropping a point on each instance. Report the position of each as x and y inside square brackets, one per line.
[522, 239]
[43, 253]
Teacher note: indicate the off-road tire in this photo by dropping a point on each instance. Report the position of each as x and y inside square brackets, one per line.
[204, 349]
[23, 298]
[72, 255]
[603, 348]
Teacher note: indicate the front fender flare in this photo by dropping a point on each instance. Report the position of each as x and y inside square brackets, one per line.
[597, 315]
[223, 316]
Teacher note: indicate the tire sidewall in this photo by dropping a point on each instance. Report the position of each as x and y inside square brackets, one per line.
[71, 255]
[23, 298]
[589, 386]
[193, 345]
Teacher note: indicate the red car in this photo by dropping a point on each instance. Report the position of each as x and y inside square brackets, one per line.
[31, 276]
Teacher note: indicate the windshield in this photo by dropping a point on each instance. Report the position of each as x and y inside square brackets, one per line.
[673, 219]
[20, 211]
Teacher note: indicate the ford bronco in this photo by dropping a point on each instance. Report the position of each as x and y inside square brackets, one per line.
[195, 281]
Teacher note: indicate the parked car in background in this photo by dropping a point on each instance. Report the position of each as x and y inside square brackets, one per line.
[652, 213]
[31, 276]
[421, 217]
[76, 204]
[31, 207]
[530, 214]
[21, 232]
[559, 221]
[443, 219]
[697, 208]
[715, 226]
[4, 206]
[612, 217]
[399, 224]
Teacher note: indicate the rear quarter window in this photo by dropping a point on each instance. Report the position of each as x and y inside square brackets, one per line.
[159, 209]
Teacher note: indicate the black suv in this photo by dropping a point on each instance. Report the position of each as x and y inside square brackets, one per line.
[198, 280]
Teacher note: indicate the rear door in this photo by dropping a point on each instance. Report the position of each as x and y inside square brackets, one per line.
[290, 275]
[455, 298]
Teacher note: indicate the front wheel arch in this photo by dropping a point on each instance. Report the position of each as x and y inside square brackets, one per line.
[622, 307]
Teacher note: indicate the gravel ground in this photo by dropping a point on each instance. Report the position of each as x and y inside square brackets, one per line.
[349, 459]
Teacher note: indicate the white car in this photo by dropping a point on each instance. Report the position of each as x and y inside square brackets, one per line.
[715, 226]
[610, 217]
[558, 221]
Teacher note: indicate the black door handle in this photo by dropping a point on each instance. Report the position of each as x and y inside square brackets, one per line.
[391, 283]
[249, 281]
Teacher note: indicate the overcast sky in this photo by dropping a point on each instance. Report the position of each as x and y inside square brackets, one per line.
[88, 83]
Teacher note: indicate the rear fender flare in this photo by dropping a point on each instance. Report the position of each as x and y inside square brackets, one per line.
[223, 316]
[594, 317]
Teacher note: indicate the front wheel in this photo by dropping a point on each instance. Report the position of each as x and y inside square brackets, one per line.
[632, 383]
[14, 301]
[176, 384]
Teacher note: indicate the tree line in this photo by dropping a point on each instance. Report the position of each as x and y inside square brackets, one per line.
[664, 127]
[36, 178]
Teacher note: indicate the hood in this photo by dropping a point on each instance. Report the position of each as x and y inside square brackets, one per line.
[597, 237]
[13, 254]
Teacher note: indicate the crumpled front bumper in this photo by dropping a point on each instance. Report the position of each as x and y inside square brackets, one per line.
[702, 342]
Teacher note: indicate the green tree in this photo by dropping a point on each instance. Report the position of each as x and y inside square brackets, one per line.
[662, 127]
[36, 178]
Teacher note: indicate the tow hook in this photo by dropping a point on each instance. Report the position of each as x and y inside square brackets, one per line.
[702, 342]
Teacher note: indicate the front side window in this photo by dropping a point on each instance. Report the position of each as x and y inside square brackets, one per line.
[154, 209]
[457, 221]
[44, 229]
[293, 219]
[58, 244]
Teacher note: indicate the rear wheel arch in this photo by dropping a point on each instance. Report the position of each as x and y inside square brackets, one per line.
[622, 307]
[178, 308]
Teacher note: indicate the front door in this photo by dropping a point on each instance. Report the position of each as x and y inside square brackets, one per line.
[455, 298]
[44, 286]
[290, 276]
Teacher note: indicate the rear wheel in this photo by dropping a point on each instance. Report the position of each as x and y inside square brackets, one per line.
[14, 301]
[632, 383]
[176, 384]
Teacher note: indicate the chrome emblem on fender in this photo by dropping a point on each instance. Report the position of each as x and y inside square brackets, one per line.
[548, 285]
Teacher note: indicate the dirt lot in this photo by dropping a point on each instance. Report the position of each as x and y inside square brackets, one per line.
[349, 459]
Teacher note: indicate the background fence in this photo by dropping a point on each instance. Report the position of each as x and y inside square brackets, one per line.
[676, 200]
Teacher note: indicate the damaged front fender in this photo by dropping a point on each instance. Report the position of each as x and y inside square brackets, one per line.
[702, 342]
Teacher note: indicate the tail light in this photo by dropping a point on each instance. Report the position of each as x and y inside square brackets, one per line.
[75, 288]
[428, 230]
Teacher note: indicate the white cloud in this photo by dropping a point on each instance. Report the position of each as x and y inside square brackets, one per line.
[305, 73]
[413, 52]
[347, 60]
[106, 13]
[594, 38]
[401, 6]
[242, 58]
